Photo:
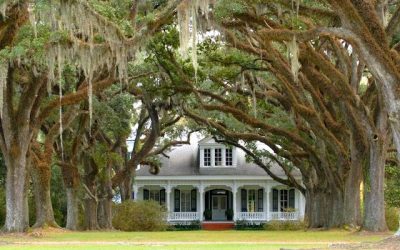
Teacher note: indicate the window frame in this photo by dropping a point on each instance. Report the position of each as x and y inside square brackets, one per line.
[229, 150]
[186, 200]
[220, 157]
[153, 193]
[217, 155]
[208, 157]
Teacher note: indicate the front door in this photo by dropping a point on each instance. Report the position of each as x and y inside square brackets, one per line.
[219, 207]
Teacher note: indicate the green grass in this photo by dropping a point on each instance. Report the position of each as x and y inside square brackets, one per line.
[183, 240]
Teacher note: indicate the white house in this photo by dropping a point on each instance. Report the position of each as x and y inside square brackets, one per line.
[208, 181]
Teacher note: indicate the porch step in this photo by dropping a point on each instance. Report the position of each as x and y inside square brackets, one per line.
[216, 226]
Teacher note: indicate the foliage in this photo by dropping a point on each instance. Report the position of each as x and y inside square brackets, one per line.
[248, 225]
[58, 196]
[392, 218]
[207, 214]
[284, 225]
[392, 187]
[139, 216]
[193, 225]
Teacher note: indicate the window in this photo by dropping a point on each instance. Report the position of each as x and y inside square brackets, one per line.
[218, 156]
[251, 203]
[228, 157]
[154, 195]
[284, 200]
[185, 201]
[207, 157]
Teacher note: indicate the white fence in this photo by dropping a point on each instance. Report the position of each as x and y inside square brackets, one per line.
[183, 216]
[284, 216]
[250, 216]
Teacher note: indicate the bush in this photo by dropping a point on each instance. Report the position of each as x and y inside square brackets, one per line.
[247, 225]
[2, 206]
[392, 218]
[139, 216]
[284, 225]
[194, 225]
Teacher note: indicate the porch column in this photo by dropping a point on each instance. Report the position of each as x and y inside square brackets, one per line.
[135, 192]
[201, 209]
[267, 209]
[168, 201]
[234, 194]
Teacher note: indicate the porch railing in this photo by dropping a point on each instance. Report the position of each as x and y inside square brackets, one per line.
[183, 216]
[283, 215]
[251, 216]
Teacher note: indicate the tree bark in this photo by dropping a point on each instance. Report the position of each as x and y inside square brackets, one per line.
[90, 199]
[41, 185]
[374, 200]
[105, 201]
[71, 182]
[352, 199]
[17, 213]
[72, 208]
[126, 188]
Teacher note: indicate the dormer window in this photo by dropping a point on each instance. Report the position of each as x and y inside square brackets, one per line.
[207, 157]
[213, 154]
[228, 157]
[218, 157]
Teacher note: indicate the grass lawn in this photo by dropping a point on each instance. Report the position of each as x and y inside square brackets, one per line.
[182, 240]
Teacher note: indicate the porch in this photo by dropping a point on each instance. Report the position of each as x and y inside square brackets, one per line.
[247, 216]
[219, 202]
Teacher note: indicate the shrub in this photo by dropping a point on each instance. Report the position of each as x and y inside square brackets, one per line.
[247, 225]
[392, 218]
[139, 216]
[193, 225]
[276, 225]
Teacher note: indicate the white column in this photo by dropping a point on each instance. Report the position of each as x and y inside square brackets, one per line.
[168, 198]
[234, 194]
[267, 209]
[301, 205]
[135, 192]
[201, 209]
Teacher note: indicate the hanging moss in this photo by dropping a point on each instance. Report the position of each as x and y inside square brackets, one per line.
[3, 83]
[293, 50]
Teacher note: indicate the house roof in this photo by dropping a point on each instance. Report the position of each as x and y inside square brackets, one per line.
[184, 161]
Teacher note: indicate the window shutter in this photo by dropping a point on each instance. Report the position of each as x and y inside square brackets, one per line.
[177, 197]
[243, 195]
[162, 196]
[193, 200]
[146, 194]
[291, 198]
[260, 199]
[274, 200]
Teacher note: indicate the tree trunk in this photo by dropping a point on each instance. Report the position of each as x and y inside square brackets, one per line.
[105, 213]
[105, 201]
[324, 208]
[72, 208]
[374, 200]
[352, 199]
[41, 184]
[90, 200]
[126, 189]
[90, 214]
[71, 182]
[315, 209]
[16, 192]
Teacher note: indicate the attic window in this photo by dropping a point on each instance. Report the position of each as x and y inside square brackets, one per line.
[228, 157]
[217, 156]
[207, 157]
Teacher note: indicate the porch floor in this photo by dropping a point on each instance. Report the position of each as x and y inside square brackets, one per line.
[217, 225]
